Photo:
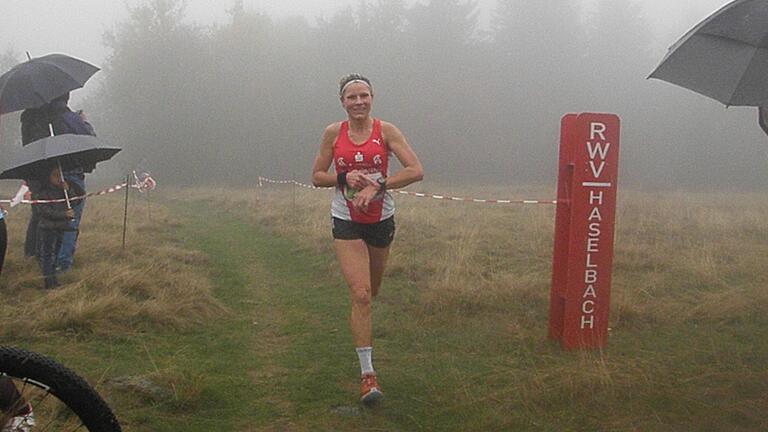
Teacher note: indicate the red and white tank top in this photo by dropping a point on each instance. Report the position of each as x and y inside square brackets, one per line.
[371, 157]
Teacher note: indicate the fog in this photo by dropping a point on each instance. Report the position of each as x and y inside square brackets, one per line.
[219, 94]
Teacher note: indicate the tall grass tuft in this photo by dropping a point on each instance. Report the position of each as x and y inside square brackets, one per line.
[688, 305]
[678, 257]
[153, 283]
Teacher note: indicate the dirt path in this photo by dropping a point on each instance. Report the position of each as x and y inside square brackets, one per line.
[292, 364]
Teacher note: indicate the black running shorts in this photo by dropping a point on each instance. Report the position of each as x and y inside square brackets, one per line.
[379, 234]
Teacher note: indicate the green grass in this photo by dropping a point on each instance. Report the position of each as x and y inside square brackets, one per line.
[281, 356]
[471, 369]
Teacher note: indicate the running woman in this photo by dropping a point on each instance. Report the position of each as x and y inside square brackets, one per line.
[362, 211]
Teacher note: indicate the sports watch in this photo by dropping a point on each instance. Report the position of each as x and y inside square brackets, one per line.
[382, 181]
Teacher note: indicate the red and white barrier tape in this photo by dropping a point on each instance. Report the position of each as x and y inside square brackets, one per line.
[476, 200]
[422, 195]
[294, 182]
[143, 183]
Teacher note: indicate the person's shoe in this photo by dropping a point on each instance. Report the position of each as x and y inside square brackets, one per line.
[20, 423]
[51, 282]
[370, 392]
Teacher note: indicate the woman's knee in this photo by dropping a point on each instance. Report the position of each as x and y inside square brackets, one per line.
[361, 295]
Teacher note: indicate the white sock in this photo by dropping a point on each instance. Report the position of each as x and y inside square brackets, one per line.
[365, 354]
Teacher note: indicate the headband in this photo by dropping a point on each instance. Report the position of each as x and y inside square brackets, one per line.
[353, 82]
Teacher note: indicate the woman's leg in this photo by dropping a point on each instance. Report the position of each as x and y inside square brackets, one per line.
[354, 262]
[378, 262]
[355, 266]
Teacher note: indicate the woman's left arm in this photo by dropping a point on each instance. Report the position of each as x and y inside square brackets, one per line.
[412, 170]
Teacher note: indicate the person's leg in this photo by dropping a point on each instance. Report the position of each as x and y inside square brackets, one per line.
[69, 239]
[16, 411]
[47, 241]
[3, 242]
[11, 401]
[378, 262]
[378, 237]
[30, 242]
[354, 263]
[57, 240]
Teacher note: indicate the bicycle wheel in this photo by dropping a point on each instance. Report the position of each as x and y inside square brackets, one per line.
[59, 398]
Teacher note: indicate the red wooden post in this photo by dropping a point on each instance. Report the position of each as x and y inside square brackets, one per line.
[584, 225]
[562, 223]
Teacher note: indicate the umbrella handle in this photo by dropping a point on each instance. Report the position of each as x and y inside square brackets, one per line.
[66, 196]
[66, 193]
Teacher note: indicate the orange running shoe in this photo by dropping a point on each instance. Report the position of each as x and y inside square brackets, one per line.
[370, 392]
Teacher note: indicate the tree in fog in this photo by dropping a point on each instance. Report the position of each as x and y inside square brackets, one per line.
[369, 38]
[240, 100]
[424, 69]
[542, 47]
[152, 101]
[672, 137]
[445, 95]
[251, 96]
[619, 60]
[263, 93]
[368, 35]
[540, 62]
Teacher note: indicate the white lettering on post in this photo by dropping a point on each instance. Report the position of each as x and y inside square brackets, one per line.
[596, 171]
[588, 307]
[590, 276]
[597, 129]
[598, 148]
[595, 197]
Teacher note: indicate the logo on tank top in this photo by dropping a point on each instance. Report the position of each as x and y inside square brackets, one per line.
[340, 162]
[359, 157]
[377, 141]
[377, 159]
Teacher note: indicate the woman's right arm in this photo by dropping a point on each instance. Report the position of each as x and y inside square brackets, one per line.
[320, 175]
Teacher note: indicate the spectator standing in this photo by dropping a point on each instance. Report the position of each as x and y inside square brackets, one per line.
[55, 219]
[34, 126]
[64, 121]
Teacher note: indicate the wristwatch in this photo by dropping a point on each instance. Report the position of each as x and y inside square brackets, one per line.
[382, 181]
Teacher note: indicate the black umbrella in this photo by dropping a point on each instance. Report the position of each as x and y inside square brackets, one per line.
[68, 150]
[725, 57]
[39, 80]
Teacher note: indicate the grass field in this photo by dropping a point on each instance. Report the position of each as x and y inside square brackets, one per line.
[226, 312]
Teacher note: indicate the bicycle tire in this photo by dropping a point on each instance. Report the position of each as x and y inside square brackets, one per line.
[50, 378]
